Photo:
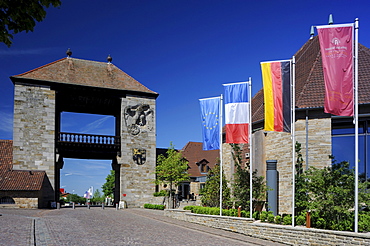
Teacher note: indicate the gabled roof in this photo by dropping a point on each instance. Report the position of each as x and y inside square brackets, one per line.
[86, 73]
[193, 152]
[16, 179]
[310, 87]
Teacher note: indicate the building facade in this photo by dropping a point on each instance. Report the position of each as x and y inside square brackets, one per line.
[320, 135]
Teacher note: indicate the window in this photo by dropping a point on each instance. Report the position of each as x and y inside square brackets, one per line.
[203, 168]
[7, 200]
[343, 143]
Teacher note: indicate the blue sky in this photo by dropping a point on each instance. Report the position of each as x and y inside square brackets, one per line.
[184, 50]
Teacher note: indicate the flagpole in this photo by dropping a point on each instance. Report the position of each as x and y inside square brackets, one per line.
[293, 138]
[221, 161]
[250, 150]
[356, 124]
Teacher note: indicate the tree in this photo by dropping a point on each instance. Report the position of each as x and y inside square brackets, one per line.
[301, 196]
[171, 169]
[241, 184]
[75, 198]
[108, 186]
[20, 15]
[211, 191]
[97, 197]
[330, 195]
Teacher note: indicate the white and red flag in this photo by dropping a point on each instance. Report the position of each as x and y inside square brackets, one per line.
[336, 45]
[237, 115]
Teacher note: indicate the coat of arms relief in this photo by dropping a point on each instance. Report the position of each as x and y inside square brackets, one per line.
[139, 118]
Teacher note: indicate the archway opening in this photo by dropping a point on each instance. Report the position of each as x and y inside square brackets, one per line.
[79, 176]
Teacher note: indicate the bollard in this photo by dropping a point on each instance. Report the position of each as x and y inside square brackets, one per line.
[102, 205]
[240, 211]
[116, 206]
[308, 219]
[58, 205]
[73, 205]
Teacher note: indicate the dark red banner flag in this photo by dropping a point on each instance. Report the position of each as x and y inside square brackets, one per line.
[336, 45]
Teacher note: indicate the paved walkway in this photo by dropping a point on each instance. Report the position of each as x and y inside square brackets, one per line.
[96, 226]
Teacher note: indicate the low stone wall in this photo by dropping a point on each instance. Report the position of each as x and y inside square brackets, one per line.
[22, 199]
[22, 203]
[277, 233]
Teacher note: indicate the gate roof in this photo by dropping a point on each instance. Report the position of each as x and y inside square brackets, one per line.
[84, 72]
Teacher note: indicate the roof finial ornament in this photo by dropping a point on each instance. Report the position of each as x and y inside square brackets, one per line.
[109, 59]
[312, 32]
[69, 52]
[330, 19]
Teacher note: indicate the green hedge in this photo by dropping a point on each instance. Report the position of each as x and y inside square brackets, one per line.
[215, 211]
[264, 216]
[160, 193]
[154, 206]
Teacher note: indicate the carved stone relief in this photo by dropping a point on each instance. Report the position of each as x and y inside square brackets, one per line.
[139, 118]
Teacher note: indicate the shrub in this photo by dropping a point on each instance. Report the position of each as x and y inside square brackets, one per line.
[197, 210]
[189, 208]
[154, 206]
[320, 223]
[278, 219]
[301, 220]
[364, 222]
[225, 212]
[160, 193]
[200, 210]
[263, 216]
[245, 213]
[314, 217]
[256, 215]
[233, 212]
[215, 211]
[287, 220]
[270, 218]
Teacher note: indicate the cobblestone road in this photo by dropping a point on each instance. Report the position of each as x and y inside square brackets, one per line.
[108, 226]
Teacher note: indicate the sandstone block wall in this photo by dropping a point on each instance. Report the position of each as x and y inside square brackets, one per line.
[22, 199]
[34, 129]
[228, 164]
[137, 180]
[319, 141]
[277, 233]
[278, 146]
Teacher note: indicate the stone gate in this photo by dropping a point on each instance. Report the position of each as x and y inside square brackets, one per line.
[84, 86]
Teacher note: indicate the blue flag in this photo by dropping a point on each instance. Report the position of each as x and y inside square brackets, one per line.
[210, 110]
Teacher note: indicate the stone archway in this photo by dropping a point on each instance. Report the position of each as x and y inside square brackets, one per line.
[83, 86]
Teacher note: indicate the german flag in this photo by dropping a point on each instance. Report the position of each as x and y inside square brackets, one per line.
[277, 95]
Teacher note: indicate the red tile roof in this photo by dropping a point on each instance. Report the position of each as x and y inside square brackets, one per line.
[6, 154]
[21, 179]
[193, 152]
[310, 88]
[16, 179]
[86, 73]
